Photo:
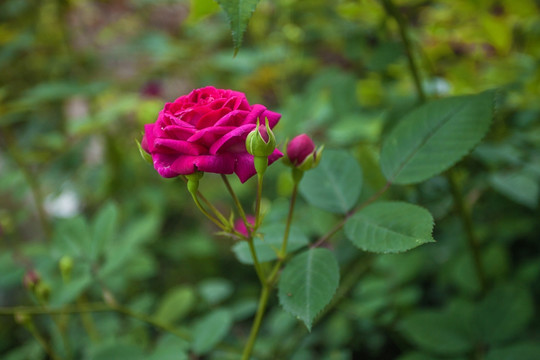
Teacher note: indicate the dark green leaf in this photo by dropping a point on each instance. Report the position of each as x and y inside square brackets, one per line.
[215, 290]
[175, 304]
[308, 283]
[239, 12]
[435, 136]
[335, 184]
[210, 330]
[390, 227]
[518, 186]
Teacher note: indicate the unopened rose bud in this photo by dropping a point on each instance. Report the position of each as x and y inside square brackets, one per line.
[31, 279]
[261, 142]
[66, 266]
[240, 226]
[302, 154]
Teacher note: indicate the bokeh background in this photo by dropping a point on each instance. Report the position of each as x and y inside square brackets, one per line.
[80, 78]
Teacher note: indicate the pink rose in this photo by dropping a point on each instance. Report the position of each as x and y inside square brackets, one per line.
[206, 130]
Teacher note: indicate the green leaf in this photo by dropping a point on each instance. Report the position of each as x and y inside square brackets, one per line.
[170, 347]
[267, 249]
[335, 184]
[239, 12]
[390, 227]
[105, 225]
[73, 238]
[518, 186]
[433, 137]
[215, 290]
[440, 332]
[210, 330]
[175, 304]
[522, 351]
[503, 314]
[308, 283]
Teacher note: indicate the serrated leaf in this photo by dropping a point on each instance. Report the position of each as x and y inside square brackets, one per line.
[210, 330]
[335, 184]
[435, 136]
[267, 249]
[104, 229]
[238, 12]
[175, 304]
[390, 227]
[308, 283]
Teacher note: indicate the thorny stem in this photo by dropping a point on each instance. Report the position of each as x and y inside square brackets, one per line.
[32, 181]
[256, 263]
[465, 215]
[463, 211]
[402, 26]
[283, 251]
[263, 301]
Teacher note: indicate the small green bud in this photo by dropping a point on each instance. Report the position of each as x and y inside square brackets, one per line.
[193, 181]
[261, 142]
[66, 266]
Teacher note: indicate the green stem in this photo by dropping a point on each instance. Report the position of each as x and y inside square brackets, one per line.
[32, 181]
[46, 346]
[283, 251]
[256, 264]
[258, 203]
[222, 226]
[393, 11]
[263, 301]
[466, 219]
[236, 202]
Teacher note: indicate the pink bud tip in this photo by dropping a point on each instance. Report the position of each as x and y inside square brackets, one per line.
[299, 148]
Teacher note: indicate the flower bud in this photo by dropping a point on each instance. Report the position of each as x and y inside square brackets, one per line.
[240, 226]
[261, 142]
[66, 266]
[302, 154]
[31, 279]
[193, 181]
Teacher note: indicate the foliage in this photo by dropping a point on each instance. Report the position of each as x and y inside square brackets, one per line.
[103, 259]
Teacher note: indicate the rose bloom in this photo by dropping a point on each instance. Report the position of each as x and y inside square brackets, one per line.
[206, 131]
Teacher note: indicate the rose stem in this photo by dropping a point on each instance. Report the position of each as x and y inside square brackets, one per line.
[214, 220]
[236, 201]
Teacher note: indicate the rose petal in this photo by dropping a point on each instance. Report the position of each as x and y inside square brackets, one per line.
[179, 132]
[234, 141]
[220, 164]
[211, 118]
[179, 147]
[162, 163]
[206, 137]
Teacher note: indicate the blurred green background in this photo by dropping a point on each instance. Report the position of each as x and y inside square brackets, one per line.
[79, 79]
